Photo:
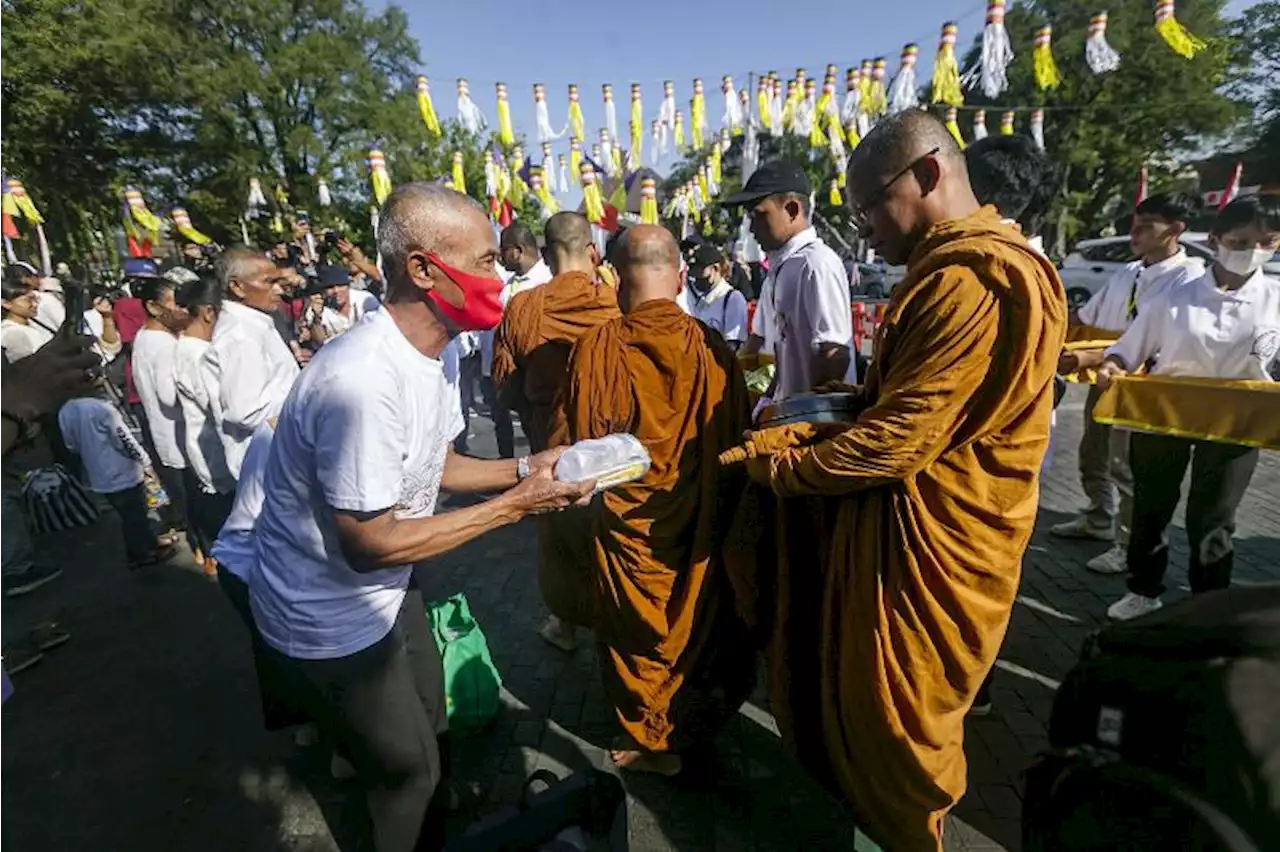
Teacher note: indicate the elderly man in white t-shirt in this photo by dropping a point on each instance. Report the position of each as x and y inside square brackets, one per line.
[806, 296]
[362, 449]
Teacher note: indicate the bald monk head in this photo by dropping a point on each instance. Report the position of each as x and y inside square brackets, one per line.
[569, 247]
[648, 261]
[906, 176]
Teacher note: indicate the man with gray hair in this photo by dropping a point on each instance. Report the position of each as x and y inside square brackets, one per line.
[361, 451]
[247, 369]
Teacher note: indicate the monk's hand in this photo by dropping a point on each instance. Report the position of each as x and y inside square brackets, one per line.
[1108, 371]
[540, 492]
[837, 386]
[546, 458]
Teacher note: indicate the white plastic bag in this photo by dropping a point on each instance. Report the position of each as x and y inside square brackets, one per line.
[611, 460]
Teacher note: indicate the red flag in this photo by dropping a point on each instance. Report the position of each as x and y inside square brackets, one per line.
[1142, 187]
[1233, 186]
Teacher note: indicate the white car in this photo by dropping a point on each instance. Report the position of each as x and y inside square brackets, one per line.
[1092, 262]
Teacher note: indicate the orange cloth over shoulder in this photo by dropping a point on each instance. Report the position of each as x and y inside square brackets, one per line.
[531, 348]
[675, 659]
[919, 514]
[530, 365]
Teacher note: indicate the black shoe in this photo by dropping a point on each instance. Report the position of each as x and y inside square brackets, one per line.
[28, 581]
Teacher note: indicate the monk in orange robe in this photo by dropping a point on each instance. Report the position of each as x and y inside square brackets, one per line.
[674, 655]
[530, 357]
[919, 512]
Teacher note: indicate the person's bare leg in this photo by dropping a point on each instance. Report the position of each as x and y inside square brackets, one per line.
[645, 761]
[559, 633]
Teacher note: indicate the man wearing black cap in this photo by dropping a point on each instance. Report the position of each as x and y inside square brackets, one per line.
[712, 300]
[806, 296]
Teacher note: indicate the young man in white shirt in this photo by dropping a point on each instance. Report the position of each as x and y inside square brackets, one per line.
[248, 369]
[1162, 264]
[711, 299]
[114, 461]
[1225, 325]
[155, 352]
[360, 453]
[341, 307]
[519, 255]
[809, 303]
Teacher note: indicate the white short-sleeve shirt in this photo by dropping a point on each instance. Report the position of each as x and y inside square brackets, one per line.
[1199, 329]
[202, 439]
[366, 428]
[155, 354]
[722, 308]
[1133, 287]
[809, 306]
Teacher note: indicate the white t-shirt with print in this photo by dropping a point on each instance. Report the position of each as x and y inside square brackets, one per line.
[1199, 329]
[155, 354]
[93, 429]
[366, 428]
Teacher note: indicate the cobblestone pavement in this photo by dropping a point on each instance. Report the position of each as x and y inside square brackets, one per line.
[143, 732]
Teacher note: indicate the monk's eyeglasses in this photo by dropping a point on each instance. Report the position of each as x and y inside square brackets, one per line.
[862, 213]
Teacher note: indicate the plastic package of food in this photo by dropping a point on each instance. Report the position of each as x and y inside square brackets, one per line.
[611, 460]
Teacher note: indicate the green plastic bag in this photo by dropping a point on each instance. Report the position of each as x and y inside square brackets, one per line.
[471, 681]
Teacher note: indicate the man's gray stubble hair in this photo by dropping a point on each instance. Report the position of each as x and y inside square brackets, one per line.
[416, 216]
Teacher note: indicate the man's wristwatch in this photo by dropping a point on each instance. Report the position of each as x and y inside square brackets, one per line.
[522, 468]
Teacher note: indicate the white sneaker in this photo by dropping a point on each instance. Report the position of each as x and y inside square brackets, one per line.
[1081, 528]
[1112, 561]
[1132, 606]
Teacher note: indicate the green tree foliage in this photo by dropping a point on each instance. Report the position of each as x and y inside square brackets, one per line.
[1101, 129]
[188, 101]
[1257, 59]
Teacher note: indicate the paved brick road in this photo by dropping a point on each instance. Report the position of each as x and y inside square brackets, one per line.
[142, 733]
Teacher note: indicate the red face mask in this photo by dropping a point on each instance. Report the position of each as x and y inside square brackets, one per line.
[481, 307]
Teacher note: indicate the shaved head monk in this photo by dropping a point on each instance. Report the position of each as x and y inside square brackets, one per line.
[930, 495]
[674, 656]
[530, 354]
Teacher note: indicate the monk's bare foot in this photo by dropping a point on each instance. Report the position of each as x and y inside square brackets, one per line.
[644, 761]
[556, 632]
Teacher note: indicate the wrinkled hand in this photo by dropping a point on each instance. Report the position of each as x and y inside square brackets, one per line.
[1108, 371]
[541, 492]
[546, 458]
[58, 371]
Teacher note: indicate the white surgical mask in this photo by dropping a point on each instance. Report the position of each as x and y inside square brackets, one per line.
[1243, 261]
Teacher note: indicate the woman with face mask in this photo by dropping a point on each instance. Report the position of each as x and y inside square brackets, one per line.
[1224, 325]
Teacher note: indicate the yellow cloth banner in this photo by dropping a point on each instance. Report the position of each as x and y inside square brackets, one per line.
[1233, 412]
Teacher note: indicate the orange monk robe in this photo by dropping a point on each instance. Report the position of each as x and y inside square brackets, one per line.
[674, 654]
[929, 501]
[532, 344]
[530, 363]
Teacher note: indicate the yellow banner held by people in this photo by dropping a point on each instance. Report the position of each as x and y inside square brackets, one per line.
[1231, 412]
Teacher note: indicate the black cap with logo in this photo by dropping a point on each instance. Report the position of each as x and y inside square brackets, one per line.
[776, 177]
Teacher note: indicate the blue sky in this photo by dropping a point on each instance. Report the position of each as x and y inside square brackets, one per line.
[557, 43]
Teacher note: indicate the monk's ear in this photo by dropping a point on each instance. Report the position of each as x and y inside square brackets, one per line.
[929, 174]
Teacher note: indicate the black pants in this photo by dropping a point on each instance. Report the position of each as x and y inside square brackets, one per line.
[279, 708]
[501, 415]
[131, 505]
[172, 516]
[207, 513]
[385, 708]
[1220, 475]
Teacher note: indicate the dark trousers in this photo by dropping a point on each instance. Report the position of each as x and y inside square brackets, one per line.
[1220, 475]
[174, 515]
[501, 415]
[207, 513]
[131, 505]
[385, 708]
[1095, 465]
[279, 708]
[468, 373]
